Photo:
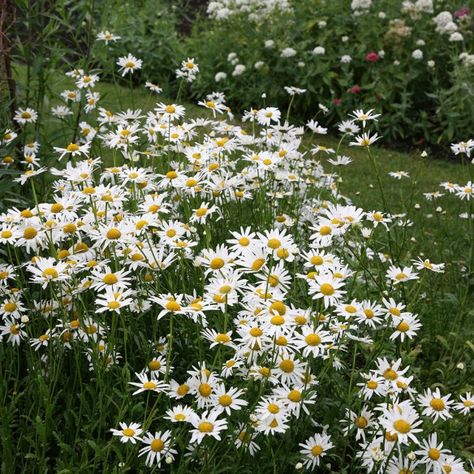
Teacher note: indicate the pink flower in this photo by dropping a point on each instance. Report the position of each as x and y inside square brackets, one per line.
[463, 11]
[355, 89]
[372, 57]
[336, 102]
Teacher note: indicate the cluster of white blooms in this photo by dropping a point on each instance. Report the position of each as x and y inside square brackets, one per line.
[444, 23]
[415, 8]
[467, 59]
[358, 6]
[253, 9]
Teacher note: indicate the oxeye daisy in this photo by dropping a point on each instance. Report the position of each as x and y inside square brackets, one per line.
[360, 116]
[228, 400]
[114, 300]
[24, 116]
[327, 288]
[107, 37]
[407, 325]
[362, 422]
[48, 270]
[146, 384]
[400, 275]
[129, 64]
[13, 331]
[268, 115]
[402, 420]
[431, 451]
[314, 449]
[207, 424]
[157, 446]
[365, 140]
[374, 384]
[128, 432]
[171, 111]
[466, 405]
[435, 405]
[244, 439]
[313, 341]
[180, 414]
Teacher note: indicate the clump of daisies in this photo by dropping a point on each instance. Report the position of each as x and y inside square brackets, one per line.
[265, 307]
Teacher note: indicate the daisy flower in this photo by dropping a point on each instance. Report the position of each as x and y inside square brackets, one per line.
[328, 288]
[129, 64]
[314, 449]
[360, 116]
[156, 447]
[466, 405]
[402, 420]
[24, 116]
[435, 405]
[146, 384]
[180, 414]
[228, 400]
[364, 140]
[107, 37]
[47, 270]
[128, 432]
[207, 424]
[400, 275]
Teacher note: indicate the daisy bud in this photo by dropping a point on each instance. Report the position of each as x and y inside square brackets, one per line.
[411, 456]
[417, 206]
[460, 366]
[298, 466]
[439, 209]
[253, 418]
[168, 460]
[25, 319]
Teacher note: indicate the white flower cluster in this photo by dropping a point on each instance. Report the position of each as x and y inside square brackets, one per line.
[254, 9]
[444, 23]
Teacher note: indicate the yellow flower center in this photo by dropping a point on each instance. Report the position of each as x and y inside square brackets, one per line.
[128, 432]
[326, 289]
[205, 427]
[173, 306]
[434, 454]
[216, 263]
[287, 366]
[437, 404]
[402, 426]
[30, 233]
[390, 374]
[317, 450]
[313, 339]
[113, 234]
[325, 230]
[205, 390]
[225, 400]
[256, 332]
[361, 422]
[154, 365]
[157, 445]
[274, 243]
[72, 147]
[110, 279]
[50, 273]
[273, 408]
[222, 338]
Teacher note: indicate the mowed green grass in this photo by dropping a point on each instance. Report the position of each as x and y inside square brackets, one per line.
[441, 236]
